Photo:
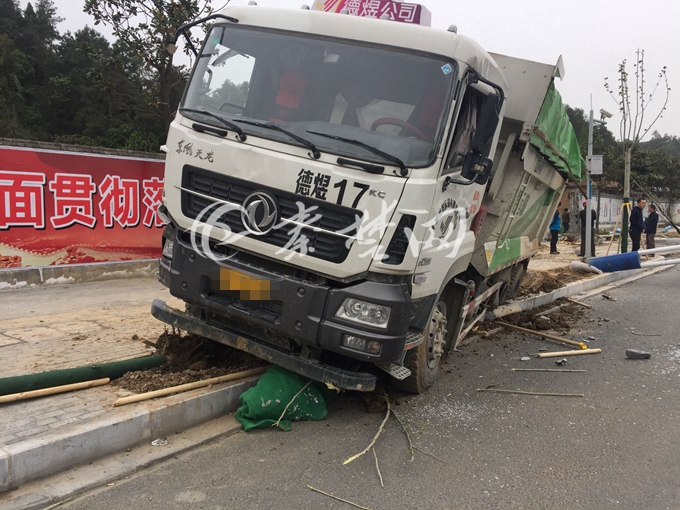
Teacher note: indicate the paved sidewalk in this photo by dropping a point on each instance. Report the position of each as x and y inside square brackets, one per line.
[56, 327]
[568, 252]
[52, 328]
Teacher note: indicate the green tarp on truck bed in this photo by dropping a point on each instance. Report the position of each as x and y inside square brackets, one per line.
[554, 136]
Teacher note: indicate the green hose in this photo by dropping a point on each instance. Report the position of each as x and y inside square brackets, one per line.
[114, 370]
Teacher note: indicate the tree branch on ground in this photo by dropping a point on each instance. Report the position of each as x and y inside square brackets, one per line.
[375, 438]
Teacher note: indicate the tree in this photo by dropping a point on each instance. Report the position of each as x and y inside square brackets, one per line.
[146, 27]
[26, 57]
[667, 144]
[14, 73]
[577, 117]
[73, 88]
[632, 127]
[106, 93]
[10, 17]
[604, 143]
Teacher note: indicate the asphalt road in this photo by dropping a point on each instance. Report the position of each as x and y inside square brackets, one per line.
[617, 447]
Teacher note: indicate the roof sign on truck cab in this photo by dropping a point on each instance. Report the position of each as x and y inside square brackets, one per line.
[396, 11]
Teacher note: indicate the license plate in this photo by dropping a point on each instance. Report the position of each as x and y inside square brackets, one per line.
[248, 288]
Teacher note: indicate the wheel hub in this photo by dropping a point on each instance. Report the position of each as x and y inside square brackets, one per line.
[436, 335]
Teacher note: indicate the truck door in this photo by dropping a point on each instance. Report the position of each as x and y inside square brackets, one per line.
[448, 243]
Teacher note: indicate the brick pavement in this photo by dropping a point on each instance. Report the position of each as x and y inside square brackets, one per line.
[57, 327]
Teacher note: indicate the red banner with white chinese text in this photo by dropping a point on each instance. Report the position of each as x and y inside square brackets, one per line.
[393, 10]
[60, 207]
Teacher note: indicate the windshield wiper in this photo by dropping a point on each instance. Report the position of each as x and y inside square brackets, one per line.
[369, 167]
[241, 135]
[268, 125]
[370, 148]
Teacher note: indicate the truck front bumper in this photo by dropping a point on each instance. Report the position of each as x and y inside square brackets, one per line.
[330, 375]
[300, 312]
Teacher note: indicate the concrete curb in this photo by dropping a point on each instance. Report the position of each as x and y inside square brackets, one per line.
[573, 289]
[613, 285]
[76, 273]
[30, 460]
[66, 486]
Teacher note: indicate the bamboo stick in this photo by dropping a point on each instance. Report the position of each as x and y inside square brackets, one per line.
[25, 395]
[567, 353]
[579, 303]
[545, 370]
[520, 392]
[611, 241]
[337, 498]
[580, 345]
[189, 386]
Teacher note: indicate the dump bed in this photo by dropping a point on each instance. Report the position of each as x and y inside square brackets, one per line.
[537, 153]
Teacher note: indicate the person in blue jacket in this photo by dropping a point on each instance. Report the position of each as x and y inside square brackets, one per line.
[637, 223]
[555, 226]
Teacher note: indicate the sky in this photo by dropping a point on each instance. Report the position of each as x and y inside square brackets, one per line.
[593, 37]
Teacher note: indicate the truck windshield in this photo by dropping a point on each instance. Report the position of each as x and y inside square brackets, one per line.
[395, 101]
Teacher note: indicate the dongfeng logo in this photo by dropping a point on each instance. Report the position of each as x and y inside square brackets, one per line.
[260, 212]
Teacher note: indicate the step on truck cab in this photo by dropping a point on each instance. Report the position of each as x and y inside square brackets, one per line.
[343, 191]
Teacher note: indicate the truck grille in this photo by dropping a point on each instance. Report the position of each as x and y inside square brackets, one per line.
[327, 245]
[269, 311]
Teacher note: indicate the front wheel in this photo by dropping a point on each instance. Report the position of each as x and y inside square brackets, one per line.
[423, 361]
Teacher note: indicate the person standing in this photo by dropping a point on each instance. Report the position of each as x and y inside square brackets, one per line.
[565, 219]
[637, 223]
[650, 227]
[555, 226]
[582, 217]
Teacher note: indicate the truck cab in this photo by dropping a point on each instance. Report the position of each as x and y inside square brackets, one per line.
[324, 191]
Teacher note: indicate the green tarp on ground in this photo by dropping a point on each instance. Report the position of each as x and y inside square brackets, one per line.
[263, 404]
[554, 136]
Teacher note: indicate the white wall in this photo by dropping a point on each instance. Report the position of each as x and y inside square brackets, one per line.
[610, 208]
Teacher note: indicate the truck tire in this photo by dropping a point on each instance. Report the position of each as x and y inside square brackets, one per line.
[519, 271]
[423, 361]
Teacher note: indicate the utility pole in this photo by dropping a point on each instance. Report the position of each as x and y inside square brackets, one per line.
[589, 190]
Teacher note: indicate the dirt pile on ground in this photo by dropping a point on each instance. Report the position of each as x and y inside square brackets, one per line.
[191, 358]
[561, 315]
[539, 282]
[672, 233]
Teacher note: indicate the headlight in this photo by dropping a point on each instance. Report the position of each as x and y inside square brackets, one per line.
[167, 249]
[361, 344]
[362, 312]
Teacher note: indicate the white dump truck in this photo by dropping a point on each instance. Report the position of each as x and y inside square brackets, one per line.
[343, 192]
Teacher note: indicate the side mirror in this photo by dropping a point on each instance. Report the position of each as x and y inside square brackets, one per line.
[486, 125]
[476, 168]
